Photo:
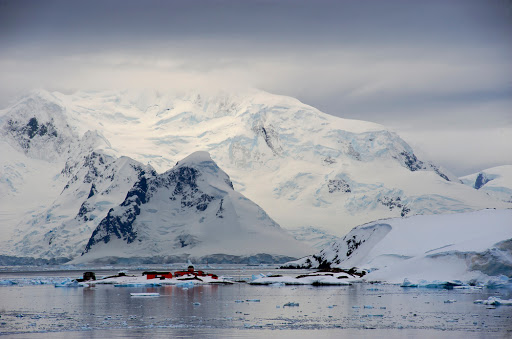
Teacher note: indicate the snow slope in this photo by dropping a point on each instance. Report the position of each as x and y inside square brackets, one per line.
[189, 210]
[460, 246]
[496, 182]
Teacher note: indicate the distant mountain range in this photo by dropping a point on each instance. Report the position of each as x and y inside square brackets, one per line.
[496, 182]
[73, 167]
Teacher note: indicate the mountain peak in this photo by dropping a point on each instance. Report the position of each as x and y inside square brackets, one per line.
[190, 211]
[196, 158]
[38, 126]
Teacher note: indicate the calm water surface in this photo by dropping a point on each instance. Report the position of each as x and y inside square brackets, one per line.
[244, 311]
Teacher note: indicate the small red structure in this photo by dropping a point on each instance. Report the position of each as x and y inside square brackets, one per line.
[158, 275]
[191, 271]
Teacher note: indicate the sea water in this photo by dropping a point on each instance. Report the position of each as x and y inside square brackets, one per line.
[33, 308]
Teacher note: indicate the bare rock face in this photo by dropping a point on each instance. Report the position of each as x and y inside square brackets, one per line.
[38, 127]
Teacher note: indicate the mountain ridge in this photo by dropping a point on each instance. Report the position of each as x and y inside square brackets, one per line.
[190, 209]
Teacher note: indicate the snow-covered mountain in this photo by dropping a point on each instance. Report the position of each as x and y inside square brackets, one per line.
[190, 210]
[37, 126]
[66, 160]
[94, 183]
[284, 155]
[496, 182]
[459, 246]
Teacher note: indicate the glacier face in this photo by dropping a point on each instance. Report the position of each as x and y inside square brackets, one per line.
[458, 246]
[67, 160]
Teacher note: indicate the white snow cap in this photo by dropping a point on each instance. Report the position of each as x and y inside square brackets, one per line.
[195, 158]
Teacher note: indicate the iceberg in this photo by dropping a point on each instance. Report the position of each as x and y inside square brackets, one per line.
[7, 282]
[70, 283]
[496, 301]
[257, 276]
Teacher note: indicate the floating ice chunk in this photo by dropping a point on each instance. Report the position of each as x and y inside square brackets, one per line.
[407, 283]
[433, 284]
[37, 282]
[277, 284]
[70, 283]
[146, 294]
[291, 304]
[494, 301]
[7, 282]
[498, 282]
[257, 276]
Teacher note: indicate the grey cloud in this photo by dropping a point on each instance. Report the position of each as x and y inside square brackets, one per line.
[288, 22]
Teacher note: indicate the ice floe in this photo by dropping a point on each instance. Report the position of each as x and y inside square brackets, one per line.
[497, 301]
[70, 283]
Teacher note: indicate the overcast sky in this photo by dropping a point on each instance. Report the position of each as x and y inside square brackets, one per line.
[437, 72]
